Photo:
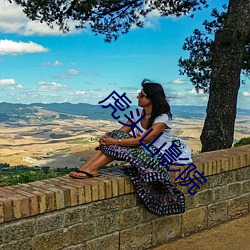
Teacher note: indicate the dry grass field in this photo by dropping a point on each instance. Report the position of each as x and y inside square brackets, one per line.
[68, 142]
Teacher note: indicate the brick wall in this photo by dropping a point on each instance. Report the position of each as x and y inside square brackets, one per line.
[105, 212]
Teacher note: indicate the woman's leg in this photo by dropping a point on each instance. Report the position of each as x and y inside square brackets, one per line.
[93, 158]
[98, 160]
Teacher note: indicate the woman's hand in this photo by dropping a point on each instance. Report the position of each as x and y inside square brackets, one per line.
[107, 141]
[102, 140]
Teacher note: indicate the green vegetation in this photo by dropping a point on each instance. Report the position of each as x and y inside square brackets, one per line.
[23, 174]
[242, 142]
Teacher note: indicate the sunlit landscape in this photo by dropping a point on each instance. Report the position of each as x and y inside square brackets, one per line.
[56, 139]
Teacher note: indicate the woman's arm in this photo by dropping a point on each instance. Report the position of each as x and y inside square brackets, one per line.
[134, 142]
[123, 128]
[126, 128]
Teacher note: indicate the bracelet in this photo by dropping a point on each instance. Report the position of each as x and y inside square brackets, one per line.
[119, 141]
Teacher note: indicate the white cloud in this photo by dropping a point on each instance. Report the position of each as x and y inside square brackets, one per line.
[10, 84]
[11, 17]
[178, 81]
[7, 82]
[152, 20]
[73, 72]
[101, 89]
[40, 29]
[180, 93]
[186, 97]
[153, 14]
[246, 93]
[80, 92]
[13, 20]
[70, 72]
[194, 92]
[19, 86]
[15, 48]
[55, 63]
[51, 86]
[92, 95]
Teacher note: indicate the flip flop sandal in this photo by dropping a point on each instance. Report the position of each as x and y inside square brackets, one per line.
[87, 175]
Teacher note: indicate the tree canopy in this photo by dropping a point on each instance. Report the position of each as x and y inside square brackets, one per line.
[108, 17]
[198, 67]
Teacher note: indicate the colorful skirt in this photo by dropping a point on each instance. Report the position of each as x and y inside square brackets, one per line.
[151, 180]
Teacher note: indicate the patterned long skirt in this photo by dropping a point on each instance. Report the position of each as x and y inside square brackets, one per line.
[151, 180]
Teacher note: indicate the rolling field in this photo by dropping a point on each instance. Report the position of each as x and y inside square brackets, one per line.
[63, 143]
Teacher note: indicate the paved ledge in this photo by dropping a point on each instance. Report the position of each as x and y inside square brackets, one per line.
[39, 197]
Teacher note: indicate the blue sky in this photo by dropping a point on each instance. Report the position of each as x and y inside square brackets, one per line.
[38, 64]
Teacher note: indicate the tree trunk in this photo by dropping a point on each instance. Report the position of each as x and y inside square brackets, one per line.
[227, 56]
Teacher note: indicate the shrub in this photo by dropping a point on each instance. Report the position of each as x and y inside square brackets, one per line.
[21, 174]
[242, 142]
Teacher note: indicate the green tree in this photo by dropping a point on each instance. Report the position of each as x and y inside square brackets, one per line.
[108, 17]
[227, 59]
[112, 18]
[200, 68]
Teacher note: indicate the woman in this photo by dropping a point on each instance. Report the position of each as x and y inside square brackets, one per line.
[150, 178]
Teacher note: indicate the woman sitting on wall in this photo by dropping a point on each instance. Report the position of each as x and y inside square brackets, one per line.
[150, 178]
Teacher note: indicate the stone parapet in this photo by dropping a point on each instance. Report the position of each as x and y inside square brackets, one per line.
[105, 212]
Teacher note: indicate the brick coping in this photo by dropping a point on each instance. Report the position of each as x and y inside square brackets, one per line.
[39, 197]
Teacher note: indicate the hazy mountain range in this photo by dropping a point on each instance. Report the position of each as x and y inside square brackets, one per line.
[15, 112]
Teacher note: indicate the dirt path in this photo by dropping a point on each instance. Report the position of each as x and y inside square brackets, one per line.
[233, 235]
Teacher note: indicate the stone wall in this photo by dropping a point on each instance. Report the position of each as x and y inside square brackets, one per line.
[105, 212]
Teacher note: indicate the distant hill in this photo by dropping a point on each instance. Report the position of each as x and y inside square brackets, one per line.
[45, 112]
[94, 112]
[3, 118]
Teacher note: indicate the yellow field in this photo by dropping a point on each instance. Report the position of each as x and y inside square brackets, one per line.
[32, 145]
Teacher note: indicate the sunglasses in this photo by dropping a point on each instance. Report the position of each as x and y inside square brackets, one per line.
[140, 94]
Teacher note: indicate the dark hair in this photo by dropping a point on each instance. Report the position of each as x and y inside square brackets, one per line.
[155, 93]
